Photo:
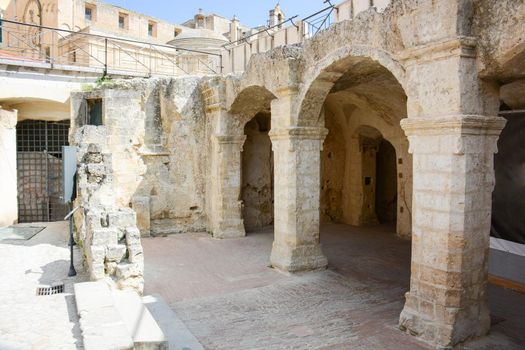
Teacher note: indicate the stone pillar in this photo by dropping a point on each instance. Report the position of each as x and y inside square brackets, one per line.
[226, 186]
[453, 135]
[297, 164]
[453, 183]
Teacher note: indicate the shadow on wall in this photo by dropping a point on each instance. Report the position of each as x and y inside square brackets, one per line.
[257, 173]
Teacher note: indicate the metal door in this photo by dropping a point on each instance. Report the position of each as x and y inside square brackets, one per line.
[39, 163]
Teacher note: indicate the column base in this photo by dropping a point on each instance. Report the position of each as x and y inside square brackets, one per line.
[445, 328]
[230, 230]
[298, 258]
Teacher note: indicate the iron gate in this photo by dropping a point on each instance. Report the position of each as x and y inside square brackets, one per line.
[39, 163]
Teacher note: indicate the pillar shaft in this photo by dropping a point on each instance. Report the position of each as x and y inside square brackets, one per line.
[453, 183]
[297, 157]
[226, 186]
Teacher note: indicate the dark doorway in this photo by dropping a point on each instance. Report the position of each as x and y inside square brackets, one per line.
[386, 186]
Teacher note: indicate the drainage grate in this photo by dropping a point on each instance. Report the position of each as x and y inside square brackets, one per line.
[50, 290]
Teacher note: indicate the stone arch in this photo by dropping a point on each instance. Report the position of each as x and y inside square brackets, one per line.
[250, 116]
[248, 102]
[362, 87]
[29, 14]
[322, 78]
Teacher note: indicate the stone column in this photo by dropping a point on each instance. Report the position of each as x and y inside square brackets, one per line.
[453, 183]
[297, 164]
[227, 219]
[453, 135]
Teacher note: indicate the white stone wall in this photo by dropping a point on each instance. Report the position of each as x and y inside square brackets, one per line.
[8, 184]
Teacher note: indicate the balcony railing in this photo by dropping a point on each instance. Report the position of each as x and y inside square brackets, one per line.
[318, 21]
[58, 48]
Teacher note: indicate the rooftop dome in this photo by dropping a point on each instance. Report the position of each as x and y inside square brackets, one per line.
[199, 39]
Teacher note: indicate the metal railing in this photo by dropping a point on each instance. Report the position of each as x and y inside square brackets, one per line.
[318, 21]
[266, 30]
[36, 44]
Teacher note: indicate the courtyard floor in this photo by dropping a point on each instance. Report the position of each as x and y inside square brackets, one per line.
[28, 321]
[229, 298]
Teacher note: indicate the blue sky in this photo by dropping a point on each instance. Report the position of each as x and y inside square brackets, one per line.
[250, 12]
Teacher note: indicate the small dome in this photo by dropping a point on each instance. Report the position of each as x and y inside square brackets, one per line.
[198, 39]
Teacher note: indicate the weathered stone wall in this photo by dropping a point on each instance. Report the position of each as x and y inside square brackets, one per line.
[257, 174]
[156, 137]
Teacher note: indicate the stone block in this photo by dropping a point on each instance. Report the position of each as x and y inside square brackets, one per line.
[104, 236]
[91, 296]
[96, 169]
[115, 252]
[141, 205]
[93, 158]
[98, 271]
[97, 254]
[94, 219]
[111, 268]
[125, 270]
[93, 148]
[133, 283]
[132, 236]
[122, 218]
[135, 254]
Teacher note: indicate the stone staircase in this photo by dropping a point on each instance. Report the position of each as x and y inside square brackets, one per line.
[112, 319]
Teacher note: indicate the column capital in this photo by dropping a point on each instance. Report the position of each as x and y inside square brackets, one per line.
[230, 139]
[454, 125]
[298, 133]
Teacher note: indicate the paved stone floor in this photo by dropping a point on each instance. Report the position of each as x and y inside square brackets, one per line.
[229, 298]
[28, 321]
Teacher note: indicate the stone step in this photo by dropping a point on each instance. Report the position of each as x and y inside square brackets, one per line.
[142, 327]
[100, 322]
[178, 335]
[116, 320]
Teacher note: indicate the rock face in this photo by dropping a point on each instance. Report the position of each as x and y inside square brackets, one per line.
[422, 77]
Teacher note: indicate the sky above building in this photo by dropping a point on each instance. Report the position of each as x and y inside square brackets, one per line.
[249, 12]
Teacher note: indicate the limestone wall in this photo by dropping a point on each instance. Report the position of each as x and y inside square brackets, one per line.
[8, 182]
[156, 137]
[257, 174]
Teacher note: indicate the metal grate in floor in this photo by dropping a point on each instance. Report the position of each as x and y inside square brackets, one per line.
[50, 290]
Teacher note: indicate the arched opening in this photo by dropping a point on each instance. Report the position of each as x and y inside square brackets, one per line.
[257, 174]
[247, 159]
[366, 170]
[366, 175]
